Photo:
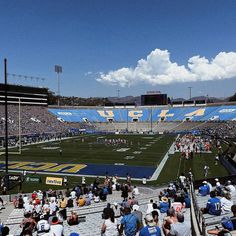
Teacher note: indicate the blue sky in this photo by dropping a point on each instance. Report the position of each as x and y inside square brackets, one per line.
[104, 36]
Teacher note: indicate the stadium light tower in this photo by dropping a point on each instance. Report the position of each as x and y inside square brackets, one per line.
[6, 124]
[190, 93]
[58, 70]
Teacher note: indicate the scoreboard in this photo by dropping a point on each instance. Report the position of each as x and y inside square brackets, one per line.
[154, 99]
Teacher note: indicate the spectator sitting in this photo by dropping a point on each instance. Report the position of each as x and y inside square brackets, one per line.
[5, 231]
[73, 194]
[164, 205]
[129, 223]
[81, 201]
[218, 189]
[187, 200]
[20, 202]
[150, 229]
[70, 202]
[42, 225]
[134, 201]
[96, 198]
[28, 222]
[73, 219]
[90, 195]
[56, 227]
[203, 189]
[135, 191]
[213, 205]
[108, 212]
[150, 206]
[155, 216]
[170, 219]
[110, 227]
[226, 202]
[230, 187]
[178, 229]
[87, 200]
[223, 231]
[116, 210]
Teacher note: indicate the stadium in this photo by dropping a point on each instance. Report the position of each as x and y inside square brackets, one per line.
[117, 118]
[53, 147]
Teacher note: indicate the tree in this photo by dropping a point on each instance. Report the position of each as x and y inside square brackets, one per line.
[232, 98]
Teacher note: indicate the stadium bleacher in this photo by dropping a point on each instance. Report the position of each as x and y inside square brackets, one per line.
[217, 113]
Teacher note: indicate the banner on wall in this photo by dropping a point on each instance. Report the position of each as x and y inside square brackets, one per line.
[54, 181]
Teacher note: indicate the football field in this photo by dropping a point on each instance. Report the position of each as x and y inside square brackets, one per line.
[136, 155]
[92, 155]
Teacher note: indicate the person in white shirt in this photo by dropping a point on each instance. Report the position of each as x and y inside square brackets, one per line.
[96, 198]
[209, 186]
[28, 207]
[226, 203]
[53, 206]
[144, 180]
[149, 207]
[42, 225]
[73, 194]
[40, 195]
[90, 195]
[46, 207]
[230, 187]
[56, 229]
[135, 191]
[110, 227]
[182, 179]
[25, 199]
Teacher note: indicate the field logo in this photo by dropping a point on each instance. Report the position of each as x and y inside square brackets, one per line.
[45, 167]
[54, 181]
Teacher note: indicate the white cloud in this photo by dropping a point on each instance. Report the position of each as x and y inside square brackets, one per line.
[157, 69]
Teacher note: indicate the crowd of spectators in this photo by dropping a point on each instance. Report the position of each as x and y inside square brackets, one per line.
[33, 120]
[36, 124]
[48, 212]
[223, 130]
[221, 204]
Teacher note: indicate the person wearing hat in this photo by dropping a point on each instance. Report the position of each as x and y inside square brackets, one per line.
[150, 229]
[219, 189]
[203, 189]
[164, 205]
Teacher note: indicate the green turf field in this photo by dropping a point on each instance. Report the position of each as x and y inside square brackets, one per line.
[139, 150]
[176, 165]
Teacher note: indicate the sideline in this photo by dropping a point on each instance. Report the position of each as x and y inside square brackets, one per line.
[163, 162]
